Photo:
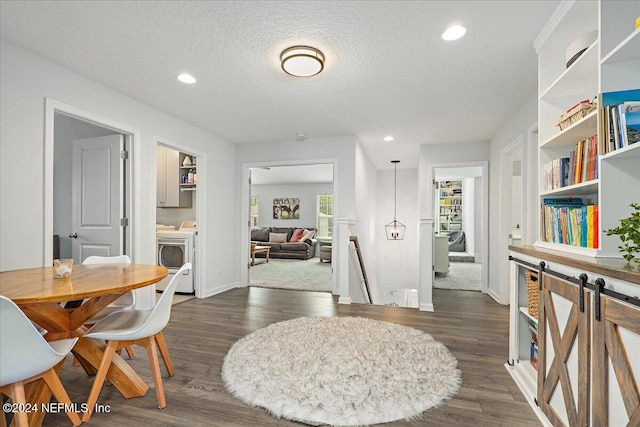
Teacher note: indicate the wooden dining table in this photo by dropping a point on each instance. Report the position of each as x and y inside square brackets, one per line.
[88, 290]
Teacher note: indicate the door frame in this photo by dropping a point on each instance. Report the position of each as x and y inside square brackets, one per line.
[245, 235]
[484, 165]
[132, 136]
[201, 201]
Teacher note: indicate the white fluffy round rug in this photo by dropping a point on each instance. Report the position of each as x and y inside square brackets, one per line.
[341, 371]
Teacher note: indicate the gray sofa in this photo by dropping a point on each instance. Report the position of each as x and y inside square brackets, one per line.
[286, 250]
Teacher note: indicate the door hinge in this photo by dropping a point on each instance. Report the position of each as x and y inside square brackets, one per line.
[124, 222]
[124, 154]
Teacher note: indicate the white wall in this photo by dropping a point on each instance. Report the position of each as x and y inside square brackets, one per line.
[67, 129]
[25, 81]
[305, 192]
[398, 259]
[176, 216]
[477, 219]
[468, 213]
[518, 124]
[366, 176]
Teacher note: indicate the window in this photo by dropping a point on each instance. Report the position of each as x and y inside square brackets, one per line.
[324, 215]
[253, 213]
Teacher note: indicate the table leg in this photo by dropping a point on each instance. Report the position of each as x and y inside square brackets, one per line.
[253, 257]
[267, 254]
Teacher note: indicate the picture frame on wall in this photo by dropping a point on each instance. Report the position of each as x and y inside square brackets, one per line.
[286, 208]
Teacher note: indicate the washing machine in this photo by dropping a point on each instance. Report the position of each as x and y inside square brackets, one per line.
[174, 248]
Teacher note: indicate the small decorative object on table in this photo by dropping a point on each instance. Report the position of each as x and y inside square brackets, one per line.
[63, 267]
[629, 232]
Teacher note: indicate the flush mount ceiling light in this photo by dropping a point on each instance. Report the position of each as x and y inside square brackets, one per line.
[389, 138]
[454, 32]
[187, 78]
[302, 61]
[395, 229]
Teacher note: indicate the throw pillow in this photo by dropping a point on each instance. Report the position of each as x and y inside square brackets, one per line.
[308, 235]
[278, 237]
[297, 235]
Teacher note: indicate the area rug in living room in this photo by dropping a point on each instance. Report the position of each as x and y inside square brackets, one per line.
[309, 275]
[341, 371]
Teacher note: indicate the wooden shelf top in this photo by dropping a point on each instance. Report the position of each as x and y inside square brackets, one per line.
[616, 268]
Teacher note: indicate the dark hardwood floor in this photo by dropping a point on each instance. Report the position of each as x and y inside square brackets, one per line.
[201, 331]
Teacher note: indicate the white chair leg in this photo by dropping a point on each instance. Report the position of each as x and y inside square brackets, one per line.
[99, 380]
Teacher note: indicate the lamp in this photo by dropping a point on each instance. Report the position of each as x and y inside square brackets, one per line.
[302, 61]
[395, 229]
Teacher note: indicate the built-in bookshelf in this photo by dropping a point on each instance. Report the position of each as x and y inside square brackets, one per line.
[449, 205]
[574, 164]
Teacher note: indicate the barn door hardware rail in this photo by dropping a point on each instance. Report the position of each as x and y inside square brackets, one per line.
[598, 286]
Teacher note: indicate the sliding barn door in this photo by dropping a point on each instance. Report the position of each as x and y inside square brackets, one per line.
[614, 358]
[564, 334]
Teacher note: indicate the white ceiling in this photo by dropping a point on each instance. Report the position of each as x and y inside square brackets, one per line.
[387, 69]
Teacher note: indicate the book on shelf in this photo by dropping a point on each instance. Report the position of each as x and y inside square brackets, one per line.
[568, 221]
[619, 119]
[580, 166]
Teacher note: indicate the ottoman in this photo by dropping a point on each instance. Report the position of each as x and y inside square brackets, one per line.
[325, 253]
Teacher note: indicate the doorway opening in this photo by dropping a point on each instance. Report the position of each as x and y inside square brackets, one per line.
[291, 226]
[179, 189]
[459, 203]
[90, 189]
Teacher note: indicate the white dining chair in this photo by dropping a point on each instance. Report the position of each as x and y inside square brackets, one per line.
[125, 302]
[139, 327]
[25, 356]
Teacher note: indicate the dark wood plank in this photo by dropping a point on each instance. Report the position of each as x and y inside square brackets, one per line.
[612, 267]
[201, 331]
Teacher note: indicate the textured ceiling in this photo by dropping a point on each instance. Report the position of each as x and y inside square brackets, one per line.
[387, 69]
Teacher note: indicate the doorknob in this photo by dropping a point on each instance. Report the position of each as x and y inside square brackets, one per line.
[73, 235]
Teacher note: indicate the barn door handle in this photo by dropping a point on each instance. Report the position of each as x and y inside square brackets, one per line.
[73, 235]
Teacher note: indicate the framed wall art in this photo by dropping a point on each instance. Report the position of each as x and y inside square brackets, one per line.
[286, 208]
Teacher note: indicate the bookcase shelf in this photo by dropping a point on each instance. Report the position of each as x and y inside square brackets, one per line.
[581, 189]
[627, 50]
[610, 64]
[578, 131]
[449, 196]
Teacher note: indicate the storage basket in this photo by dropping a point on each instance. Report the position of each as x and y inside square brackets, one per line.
[532, 292]
[576, 113]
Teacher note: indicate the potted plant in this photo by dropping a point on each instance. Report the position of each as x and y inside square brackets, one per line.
[629, 232]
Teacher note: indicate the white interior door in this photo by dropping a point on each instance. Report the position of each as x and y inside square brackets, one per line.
[97, 197]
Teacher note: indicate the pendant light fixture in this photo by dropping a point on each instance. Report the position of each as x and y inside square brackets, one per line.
[395, 229]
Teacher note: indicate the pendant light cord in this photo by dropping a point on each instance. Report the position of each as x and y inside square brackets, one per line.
[395, 193]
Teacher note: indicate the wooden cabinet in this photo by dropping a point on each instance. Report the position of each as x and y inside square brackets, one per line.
[610, 63]
[578, 361]
[168, 194]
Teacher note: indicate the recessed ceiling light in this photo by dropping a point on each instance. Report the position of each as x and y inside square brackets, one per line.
[454, 32]
[302, 61]
[187, 78]
[388, 138]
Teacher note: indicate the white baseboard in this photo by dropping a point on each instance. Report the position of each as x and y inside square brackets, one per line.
[344, 300]
[426, 307]
[495, 296]
[221, 289]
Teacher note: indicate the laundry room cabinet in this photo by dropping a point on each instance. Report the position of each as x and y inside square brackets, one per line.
[168, 194]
